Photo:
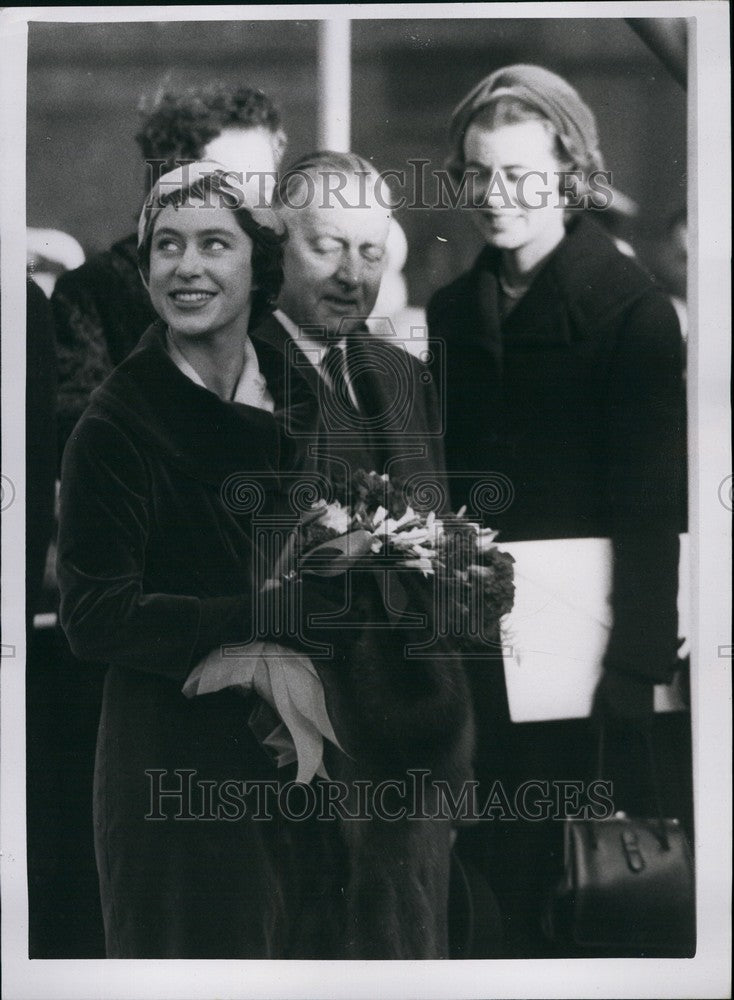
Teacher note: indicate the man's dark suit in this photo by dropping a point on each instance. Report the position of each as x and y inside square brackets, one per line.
[395, 428]
[398, 426]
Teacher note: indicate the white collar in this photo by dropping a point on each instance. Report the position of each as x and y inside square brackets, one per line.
[315, 348]
[312, 347]
[287, 323]
[251, 388]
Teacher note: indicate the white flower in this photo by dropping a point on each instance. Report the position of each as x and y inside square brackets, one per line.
[336, 517]
[485, 539]
[424, 565]
[394, 524]
[410, 537]
[424, 553]
[379, 516]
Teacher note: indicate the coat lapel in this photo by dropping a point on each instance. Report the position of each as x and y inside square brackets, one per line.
[272, 334]
[539, 318]
[585, 283]
[396, 409]
[371, 437]
[189, 426]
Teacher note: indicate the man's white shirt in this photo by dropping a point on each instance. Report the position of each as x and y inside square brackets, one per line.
[315, 349]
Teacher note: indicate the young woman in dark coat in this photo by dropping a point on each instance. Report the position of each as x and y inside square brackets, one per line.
[174, 487]
[156, 564]
[563, 385]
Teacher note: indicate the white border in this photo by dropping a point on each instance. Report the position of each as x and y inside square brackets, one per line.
[705, 976]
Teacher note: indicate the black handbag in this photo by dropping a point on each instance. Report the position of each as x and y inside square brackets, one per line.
[628, 887]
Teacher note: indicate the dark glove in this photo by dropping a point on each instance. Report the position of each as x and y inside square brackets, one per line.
[622, 701]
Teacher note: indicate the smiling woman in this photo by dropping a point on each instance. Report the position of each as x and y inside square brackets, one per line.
[158, 566]
[227, 224]
[518, 172]
[199, 279]
[563, 373]
[211, 263]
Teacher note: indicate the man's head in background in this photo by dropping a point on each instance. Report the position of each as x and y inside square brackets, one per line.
[239, 128]
[337, 213]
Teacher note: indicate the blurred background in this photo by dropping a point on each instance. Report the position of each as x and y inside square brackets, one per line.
[86, 83]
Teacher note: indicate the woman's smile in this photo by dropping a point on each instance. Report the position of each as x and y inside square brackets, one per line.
[200, 270]
[502, 215]
[522, 212]
[191, 299]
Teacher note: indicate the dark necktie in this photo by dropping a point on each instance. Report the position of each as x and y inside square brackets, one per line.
[335, 373]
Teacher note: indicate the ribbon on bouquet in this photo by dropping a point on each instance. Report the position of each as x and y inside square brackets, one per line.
[286, 681]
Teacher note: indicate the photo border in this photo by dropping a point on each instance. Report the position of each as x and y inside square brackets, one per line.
[707, 975]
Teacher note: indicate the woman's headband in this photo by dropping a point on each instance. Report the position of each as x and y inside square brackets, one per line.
[235, 194]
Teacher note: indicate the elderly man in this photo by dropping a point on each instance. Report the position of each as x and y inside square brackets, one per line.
[378, 412]
[378, 407]
[102, 308]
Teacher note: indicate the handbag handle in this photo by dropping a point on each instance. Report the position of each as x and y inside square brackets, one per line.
[663, 835]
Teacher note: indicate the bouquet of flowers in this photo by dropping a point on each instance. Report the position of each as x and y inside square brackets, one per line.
[448, 565]
[474, 585]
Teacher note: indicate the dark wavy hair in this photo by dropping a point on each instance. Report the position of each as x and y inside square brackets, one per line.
[181, 124]
[267, 243]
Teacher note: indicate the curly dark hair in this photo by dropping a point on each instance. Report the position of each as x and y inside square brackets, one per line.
[267, 244]
[181, 124]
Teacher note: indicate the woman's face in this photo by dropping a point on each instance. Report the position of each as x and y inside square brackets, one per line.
[517, 187]
[201, 270]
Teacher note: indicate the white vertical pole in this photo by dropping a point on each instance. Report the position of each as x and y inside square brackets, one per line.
[335, 84]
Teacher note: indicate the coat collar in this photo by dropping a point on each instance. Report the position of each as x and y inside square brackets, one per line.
[189, 426]
[273, 334]
[584, 284]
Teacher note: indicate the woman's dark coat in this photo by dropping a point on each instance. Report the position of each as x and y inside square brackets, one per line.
[164, 489]
[156, 567]
[572, 409]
